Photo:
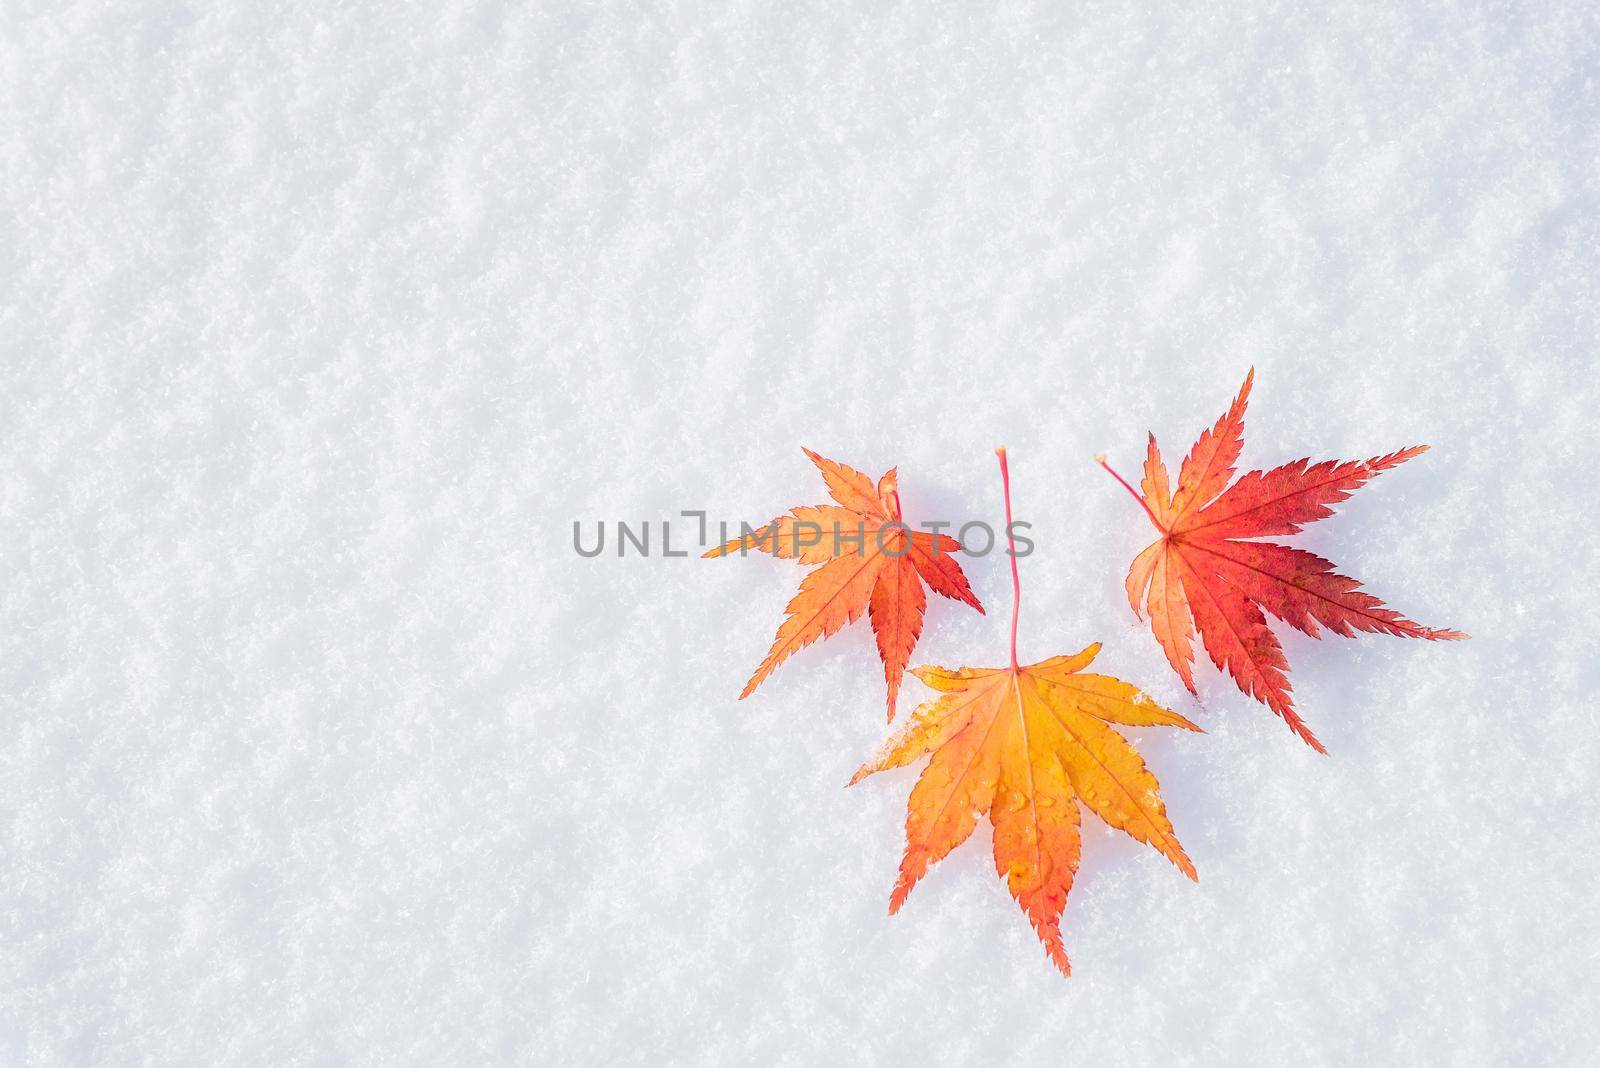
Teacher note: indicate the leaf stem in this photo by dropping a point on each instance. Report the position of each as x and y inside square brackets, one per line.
[1011, 544]
[1100, 458]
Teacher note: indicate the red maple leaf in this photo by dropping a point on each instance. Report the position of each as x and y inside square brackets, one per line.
[1204, 573]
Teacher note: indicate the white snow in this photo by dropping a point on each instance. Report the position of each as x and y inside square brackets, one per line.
[321, 324]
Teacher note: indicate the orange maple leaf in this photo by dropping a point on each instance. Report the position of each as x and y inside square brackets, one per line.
[1199, 575]
[870, 561]
[1027, 745]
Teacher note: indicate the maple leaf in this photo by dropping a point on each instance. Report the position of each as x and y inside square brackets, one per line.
[1200, 574]
[1027, 746]
[870, 561]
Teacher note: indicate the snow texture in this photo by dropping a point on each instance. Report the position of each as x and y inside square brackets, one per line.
[320, 324]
